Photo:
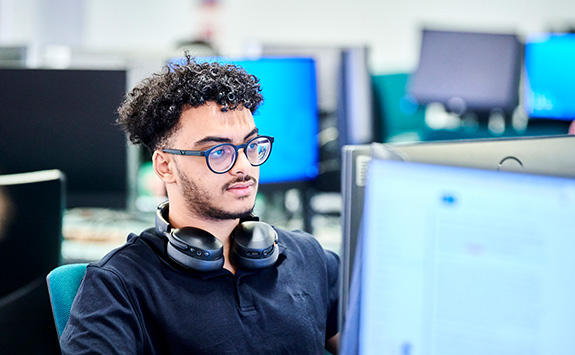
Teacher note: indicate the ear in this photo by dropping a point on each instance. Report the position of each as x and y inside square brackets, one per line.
[164, 166]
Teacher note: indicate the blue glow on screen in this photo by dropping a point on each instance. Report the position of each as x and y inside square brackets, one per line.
[289, 113]
[550, 76]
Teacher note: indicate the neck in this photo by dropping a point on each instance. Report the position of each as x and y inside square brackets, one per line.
[221, 229]
[180, 217]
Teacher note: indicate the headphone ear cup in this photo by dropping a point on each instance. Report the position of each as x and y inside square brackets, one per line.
[254, 245]
[196, 249]
[162, 224]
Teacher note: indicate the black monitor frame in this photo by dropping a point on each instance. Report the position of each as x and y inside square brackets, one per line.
[65, 119]
[32, 209]
[468, 71]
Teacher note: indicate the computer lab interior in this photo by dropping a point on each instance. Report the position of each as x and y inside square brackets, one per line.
[473, 85]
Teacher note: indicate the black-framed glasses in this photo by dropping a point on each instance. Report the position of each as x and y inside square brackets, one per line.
[222, 157]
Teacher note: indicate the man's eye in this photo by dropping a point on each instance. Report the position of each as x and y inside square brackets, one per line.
[218, 153]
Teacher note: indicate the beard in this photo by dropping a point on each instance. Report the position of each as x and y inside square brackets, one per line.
[200, 202]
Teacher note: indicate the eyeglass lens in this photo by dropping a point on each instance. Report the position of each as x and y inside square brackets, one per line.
[223, 156]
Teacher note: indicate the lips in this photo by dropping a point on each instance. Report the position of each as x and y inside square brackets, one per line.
[241, 188]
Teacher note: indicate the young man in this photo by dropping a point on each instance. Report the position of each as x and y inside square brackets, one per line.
[208, 279]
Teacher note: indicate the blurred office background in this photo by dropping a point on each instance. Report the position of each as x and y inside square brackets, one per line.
[365, 53]
[390, 29]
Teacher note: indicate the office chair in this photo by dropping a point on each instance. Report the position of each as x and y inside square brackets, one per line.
[63, 283]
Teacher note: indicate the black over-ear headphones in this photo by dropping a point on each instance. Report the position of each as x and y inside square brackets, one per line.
[253, 244]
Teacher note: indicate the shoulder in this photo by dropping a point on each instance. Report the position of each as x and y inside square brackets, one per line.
[299, 244]
[297, 240]
[129, 258]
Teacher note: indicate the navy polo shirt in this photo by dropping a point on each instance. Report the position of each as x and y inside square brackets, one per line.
[137, 301]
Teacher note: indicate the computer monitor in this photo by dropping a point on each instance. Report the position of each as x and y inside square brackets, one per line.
[289, 113]
[344, 98]
[463, 261]
[31, 212]
[471, 71]
[549, 76]
[343, 85]
[549, 155]
[65, 119]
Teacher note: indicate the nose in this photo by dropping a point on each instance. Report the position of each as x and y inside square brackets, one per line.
[242, 164]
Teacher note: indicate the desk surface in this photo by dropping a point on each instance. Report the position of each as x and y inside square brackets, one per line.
[91, 233]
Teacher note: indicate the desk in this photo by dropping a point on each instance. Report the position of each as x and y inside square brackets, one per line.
[90, 233]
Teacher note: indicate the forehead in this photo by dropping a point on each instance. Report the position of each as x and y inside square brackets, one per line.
[209, 121]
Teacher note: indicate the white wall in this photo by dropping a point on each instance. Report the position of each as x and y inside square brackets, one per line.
[390, 28]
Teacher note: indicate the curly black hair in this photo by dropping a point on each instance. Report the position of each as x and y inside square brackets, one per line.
[150, 113]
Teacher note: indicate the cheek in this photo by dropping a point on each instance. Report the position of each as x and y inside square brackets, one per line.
[256, 173]
[194, 173]
[203, 181]
[193, 166]
[211, 183]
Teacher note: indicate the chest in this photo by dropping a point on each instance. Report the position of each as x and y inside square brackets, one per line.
[277, 307]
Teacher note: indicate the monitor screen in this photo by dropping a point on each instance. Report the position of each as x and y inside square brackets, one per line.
[468, 70]
[464, 261]
[65, 119]
[552, 155]
[289, 113]
[550, 76]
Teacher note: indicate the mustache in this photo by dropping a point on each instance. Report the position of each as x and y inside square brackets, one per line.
[241, 179]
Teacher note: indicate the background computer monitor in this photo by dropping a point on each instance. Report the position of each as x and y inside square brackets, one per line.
[290, 114]
[65, 119]
[31, 212]
[345, 102]
[551, 155]
[549, 76]
[471, 71]
[463, 261]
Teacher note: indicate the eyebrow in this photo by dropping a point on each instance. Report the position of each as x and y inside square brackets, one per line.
[214, 139]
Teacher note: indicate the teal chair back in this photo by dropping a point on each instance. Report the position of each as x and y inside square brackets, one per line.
[63, 283]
